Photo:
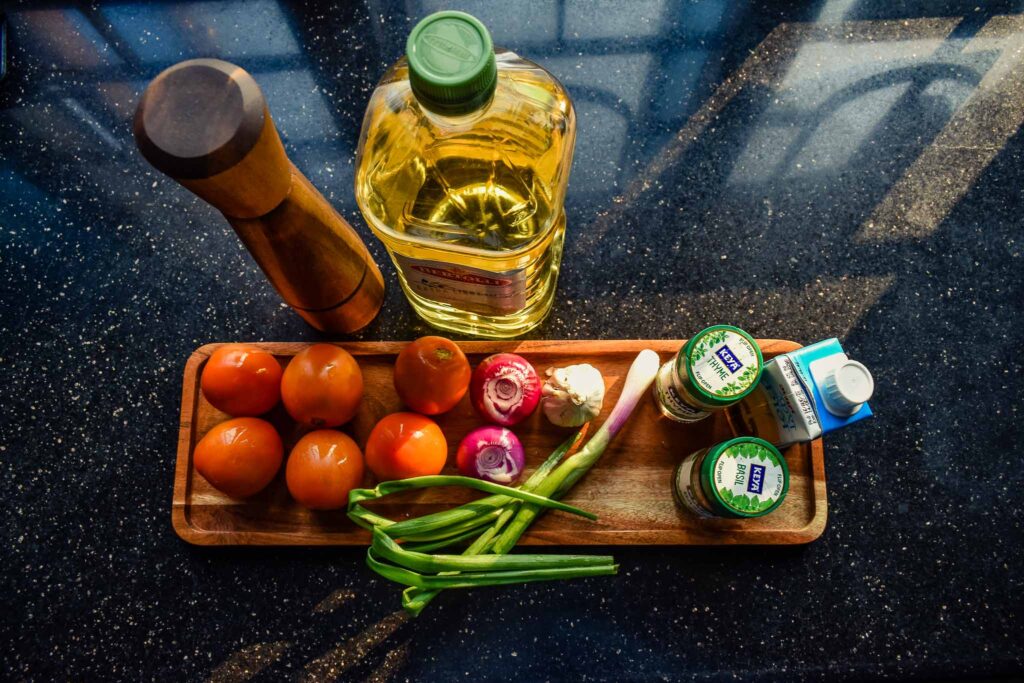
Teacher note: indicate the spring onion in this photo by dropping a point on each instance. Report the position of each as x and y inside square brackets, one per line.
[496, 521]
[369, 520]
[638, 381]
[387, 549]
[437, 582]
[415, 599]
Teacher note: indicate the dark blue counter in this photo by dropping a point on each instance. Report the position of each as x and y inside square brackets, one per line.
[847, 168]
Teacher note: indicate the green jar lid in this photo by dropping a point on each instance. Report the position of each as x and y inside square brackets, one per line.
[722, 363]
[744, 477]
[452, 68]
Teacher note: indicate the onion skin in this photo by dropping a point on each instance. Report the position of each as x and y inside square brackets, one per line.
[505, 389]
[493, 454]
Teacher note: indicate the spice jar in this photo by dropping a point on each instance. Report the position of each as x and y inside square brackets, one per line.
[716, 368]
[740, 478]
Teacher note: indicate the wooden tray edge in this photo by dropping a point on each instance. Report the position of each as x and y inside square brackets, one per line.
[474, 346]
[183, 529]
[179, 518]
[816, 528]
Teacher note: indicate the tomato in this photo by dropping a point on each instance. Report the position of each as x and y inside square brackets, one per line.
[322, 468]
[322, 386]
[239, 457]
[241, 380]
[432, 375]
[405, 445]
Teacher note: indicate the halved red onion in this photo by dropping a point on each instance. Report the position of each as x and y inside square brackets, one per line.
[505, 388]
[492, 454]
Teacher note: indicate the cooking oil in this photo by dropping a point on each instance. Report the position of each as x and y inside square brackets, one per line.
[461, 172]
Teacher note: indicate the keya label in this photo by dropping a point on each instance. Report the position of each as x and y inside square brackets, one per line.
[749, 478]
[724, 363]
[471, 289]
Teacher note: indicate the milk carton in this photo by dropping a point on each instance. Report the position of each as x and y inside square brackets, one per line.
[806, 393]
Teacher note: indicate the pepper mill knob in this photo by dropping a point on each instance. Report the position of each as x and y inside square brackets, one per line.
[847, 388]
[204, 122]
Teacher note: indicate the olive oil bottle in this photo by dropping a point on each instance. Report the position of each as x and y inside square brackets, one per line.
[461, 172]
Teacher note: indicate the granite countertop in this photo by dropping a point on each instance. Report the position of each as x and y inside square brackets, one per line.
[846, 168]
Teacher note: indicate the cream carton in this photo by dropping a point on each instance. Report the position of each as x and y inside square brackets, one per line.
[806, 393]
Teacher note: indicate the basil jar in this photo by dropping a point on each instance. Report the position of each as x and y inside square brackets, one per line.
[737, 479]
[716, 368]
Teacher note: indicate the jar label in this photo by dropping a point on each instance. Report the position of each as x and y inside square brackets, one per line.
[672, 403]
[724, 363]
[684, 490]
[749, 478]
[471, 289]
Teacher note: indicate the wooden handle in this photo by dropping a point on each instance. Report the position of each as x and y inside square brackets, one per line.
[327, 275]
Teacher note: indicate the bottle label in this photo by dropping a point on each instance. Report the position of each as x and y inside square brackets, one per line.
[724, 363]
[673, 405]
[471, 289]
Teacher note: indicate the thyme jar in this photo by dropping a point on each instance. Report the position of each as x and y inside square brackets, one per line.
[714, 369]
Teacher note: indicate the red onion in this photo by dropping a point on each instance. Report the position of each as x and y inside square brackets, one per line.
[492, 454]
[505, 389]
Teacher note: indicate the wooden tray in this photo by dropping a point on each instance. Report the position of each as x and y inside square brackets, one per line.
[629, 488]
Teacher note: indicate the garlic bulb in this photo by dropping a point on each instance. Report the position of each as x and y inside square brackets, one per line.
[572, 395]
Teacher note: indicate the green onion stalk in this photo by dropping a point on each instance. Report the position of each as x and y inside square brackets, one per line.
[557, 484]
[421, 525]
[414, 598]
[496, 521]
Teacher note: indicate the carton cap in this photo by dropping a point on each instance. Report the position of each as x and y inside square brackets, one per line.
[847, 388]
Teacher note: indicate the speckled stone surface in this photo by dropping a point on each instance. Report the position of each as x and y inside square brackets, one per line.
[847, 168]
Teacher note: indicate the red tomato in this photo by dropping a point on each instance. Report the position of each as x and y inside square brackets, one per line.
[322, 468]
[322, 386]
[239, 457]
[432, 375]
[241, 380]
[405, 445]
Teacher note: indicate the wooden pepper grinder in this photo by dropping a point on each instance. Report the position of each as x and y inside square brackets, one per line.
[204, 122]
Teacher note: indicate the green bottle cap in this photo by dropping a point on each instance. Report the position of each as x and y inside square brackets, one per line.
[744, 477]
[721, 363]
[451, 62]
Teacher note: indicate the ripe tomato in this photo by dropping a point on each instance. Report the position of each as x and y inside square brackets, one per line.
[322, 468]
[405, 445]
[241, 380]
[322, 386]
[239, 457]
[432, 375]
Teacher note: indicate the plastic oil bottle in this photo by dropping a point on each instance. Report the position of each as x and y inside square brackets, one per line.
[461, 172]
